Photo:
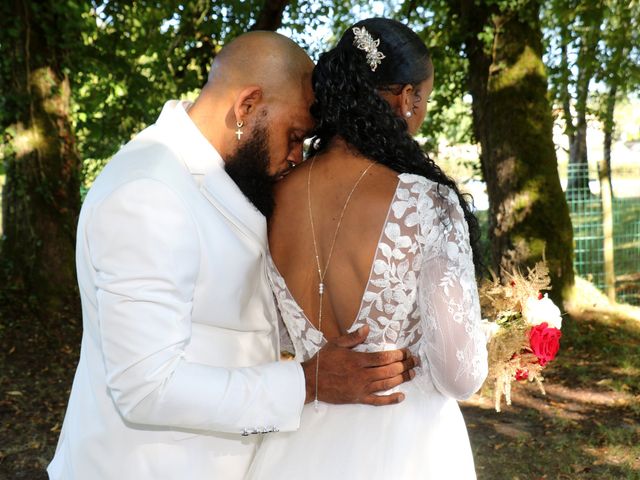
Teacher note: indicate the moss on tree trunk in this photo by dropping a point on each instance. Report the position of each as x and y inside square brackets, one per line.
[512, 121]
[41, 196]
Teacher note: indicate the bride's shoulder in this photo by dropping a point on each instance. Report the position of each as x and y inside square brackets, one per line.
[412, 179]
[420, 186]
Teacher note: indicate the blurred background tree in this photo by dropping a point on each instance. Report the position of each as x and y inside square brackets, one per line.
[41, 196]
[528, 214]
[592, 54]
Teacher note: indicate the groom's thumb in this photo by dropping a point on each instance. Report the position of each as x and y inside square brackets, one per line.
[352, 339]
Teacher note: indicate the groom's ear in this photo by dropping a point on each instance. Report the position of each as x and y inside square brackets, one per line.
[247, 103]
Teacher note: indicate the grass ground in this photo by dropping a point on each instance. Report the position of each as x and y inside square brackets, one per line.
[38, 356]
[586, 427]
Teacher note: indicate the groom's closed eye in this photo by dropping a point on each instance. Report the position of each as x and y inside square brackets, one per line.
[297, 138]
[297, 141]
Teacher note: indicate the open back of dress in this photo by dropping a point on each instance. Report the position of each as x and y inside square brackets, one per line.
[422, 295]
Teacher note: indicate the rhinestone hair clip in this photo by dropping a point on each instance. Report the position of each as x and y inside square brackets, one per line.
[364, 41]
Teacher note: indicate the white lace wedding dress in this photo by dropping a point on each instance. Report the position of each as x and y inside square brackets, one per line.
[421, 295]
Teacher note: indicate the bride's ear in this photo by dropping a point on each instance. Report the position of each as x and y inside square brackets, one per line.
[407, 100]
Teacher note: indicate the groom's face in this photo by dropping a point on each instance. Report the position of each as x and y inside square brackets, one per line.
[288, 124]
[272, 148]
[249, 169]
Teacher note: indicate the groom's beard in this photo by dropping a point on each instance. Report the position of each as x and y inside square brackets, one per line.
[248, 167]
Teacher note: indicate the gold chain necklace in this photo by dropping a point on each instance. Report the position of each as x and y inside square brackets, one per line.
[322, 274]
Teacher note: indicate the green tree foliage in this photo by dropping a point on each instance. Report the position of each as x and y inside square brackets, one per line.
[141, 54]
[449, 116]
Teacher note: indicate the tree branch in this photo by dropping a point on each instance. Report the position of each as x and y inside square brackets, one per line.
[270, 17]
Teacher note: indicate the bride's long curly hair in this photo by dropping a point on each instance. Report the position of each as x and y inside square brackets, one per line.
[347, 105]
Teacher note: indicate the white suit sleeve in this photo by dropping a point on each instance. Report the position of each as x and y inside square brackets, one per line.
[145, 249]
[453, 341]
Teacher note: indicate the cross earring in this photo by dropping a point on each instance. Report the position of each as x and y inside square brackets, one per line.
[239, 131]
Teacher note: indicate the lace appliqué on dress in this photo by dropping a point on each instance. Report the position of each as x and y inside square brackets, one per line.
[304, 337]
[421, 292]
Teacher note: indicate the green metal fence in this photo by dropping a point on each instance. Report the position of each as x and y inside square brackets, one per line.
[585, 206]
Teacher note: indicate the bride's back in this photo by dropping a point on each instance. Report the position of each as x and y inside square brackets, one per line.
[371, 93]
[333, 176]
[406, 216]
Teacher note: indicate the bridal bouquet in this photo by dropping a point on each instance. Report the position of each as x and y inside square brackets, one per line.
[524, 329]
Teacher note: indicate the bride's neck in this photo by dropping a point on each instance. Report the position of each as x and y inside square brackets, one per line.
[338, 146]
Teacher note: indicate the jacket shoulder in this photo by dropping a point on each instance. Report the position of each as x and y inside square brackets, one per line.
[148, 156]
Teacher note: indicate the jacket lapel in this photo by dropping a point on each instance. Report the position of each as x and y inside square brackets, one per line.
[207, 168]
[223, 193]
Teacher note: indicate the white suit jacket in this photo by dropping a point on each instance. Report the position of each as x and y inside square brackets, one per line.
[180, 348]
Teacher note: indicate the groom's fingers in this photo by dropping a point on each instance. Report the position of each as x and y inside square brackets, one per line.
[352, 339]
[389, 383]
[393, 370]
[388, 358]
[381, 400]
[380, 359]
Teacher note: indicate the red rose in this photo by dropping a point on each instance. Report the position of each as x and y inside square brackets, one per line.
[545, 342]
[521, 374]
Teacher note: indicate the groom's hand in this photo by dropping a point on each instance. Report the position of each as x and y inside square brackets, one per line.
[346, 376]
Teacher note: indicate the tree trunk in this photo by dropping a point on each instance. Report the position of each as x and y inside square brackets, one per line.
[578, 174]
[569, 128]
[608, 246]
[529, 217]
[270, 17]
[609, 125]
[41, 196]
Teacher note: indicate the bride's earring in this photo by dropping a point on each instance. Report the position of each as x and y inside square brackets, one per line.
[408, 114]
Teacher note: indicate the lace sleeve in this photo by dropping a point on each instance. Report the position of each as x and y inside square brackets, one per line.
[453, 342]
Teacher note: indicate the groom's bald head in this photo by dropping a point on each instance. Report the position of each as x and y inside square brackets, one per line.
[259, 82]
[267, 59]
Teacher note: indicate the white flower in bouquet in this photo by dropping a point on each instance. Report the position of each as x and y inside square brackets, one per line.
[542, 309]
[489, 328]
